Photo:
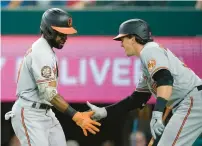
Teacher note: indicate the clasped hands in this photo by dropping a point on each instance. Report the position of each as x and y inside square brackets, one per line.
[83, 120]
[88, 120]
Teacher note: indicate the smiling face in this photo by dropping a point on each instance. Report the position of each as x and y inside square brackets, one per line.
[60, 41]
[129, 45]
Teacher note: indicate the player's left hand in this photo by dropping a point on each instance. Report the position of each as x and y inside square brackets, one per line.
[156, 124]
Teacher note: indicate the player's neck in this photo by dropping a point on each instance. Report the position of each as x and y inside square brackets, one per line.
[139, 48]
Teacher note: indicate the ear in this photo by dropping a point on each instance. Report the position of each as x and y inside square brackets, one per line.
[134, 40]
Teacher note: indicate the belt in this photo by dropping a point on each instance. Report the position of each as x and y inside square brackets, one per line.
[41, 106]
[199, 88]
[38, 105]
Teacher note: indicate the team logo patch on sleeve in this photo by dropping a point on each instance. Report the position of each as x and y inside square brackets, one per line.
[46, 72]
[151, 64]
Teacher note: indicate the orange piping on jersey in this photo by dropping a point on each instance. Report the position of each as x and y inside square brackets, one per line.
[24, 126]
[185, 119]
[157, 69]
[154, 87]
[162, 47]
[19, 70]
[28, 51]
[45, 80]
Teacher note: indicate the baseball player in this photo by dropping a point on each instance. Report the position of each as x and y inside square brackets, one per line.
[168, 79]
[32, 119]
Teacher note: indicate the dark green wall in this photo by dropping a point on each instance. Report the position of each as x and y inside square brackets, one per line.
[163, 23]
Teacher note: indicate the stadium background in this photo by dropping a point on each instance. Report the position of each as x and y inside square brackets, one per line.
[92, 66]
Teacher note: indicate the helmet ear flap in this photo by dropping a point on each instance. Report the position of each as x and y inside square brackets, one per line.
[140, 41]
[48, 32]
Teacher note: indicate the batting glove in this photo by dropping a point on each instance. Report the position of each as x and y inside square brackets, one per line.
[156, 124]
[83, 120]
[99, 112]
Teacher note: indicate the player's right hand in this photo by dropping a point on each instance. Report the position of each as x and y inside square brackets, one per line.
[83, 120]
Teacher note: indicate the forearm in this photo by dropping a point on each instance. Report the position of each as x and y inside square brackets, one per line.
[81, 119]
[131, 102]
[60, 104]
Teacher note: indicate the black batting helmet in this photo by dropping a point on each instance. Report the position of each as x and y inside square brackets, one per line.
[136, 27]
[56, 20]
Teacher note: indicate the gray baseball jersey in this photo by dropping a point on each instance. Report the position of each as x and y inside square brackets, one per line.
[153, 58]
[186, 123]
[38, 66]
[32, 125]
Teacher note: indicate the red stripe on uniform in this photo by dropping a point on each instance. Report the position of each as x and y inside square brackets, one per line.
[24, 126]
[185, 119]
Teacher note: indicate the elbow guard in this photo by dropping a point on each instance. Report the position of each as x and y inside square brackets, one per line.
[46, 91]
[163, 77]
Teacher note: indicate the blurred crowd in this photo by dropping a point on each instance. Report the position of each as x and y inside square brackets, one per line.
[137, 131]
[138, 134]
[136, 139]
[82, 4]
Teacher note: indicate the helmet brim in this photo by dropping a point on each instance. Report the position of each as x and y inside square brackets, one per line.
[118, 37]
[65, 30]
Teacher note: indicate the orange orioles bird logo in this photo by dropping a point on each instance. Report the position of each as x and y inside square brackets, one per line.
[151, 64]
[69, 22]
